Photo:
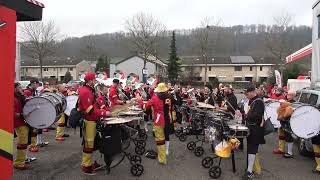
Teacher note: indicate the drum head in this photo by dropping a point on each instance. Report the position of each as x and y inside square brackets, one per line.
[71, 103]
[60, 98]
[305, 122]
[271, 112]
[40, 112]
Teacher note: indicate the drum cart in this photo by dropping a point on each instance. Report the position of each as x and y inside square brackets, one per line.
[110, 142]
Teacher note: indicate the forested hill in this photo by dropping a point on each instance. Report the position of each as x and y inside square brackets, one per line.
[236, 40]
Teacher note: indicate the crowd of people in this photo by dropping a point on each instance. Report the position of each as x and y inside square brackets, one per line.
[161, 103]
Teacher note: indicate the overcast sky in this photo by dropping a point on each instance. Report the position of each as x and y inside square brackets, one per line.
[81, 17]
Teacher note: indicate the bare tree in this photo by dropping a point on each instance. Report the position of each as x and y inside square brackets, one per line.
[277, 39]
[144, 32]
[89, 50]
[206, 37]
[39, 40]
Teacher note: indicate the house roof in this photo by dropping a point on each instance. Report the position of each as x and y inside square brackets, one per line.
[50, 61]
[230, 60]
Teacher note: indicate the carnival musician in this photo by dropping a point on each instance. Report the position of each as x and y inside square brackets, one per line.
[231, 99]
[220, 95]
[162, 120]
[254, 122]
[21, 128]
[316, 149]
[92, 112]
[60, 135]
[114, 96]
[35, 135]
[276, 96]
[284, 114]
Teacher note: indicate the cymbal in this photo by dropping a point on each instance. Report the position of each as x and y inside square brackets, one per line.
[204, 105]
[116, 120]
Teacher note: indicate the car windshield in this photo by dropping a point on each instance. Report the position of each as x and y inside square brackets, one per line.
[313, 99]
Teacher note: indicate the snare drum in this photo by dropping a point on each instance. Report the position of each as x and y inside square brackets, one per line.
[42, 111]
[271, 112]
[238, 130]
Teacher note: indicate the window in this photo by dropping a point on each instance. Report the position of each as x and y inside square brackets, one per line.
[60, 69]
[237, 78]
[70, 69]
[260, 68]
[26, 69]
[211, 79]
[45, 69]
[304, 98]
[209, 68]
[263, 79]
[251, 68]
[238, 68]
[313, 99]
[248, 79]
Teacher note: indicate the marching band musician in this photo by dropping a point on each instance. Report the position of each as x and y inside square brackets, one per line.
[20, 128]
[60, 135]
[162, 120]
[284, 114]
[278, 95]
[91, 113]
[114, 93]
[254, 122]
[102, 99]
[35, 134]
[232, 104]
[220, 95]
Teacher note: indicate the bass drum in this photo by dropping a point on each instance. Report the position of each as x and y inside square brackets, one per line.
[271, 112]
[244, 104]
[60, 97]
[42, 111]
[305, 122]
[71, 103]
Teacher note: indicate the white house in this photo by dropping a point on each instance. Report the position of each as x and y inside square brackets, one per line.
[135, 64]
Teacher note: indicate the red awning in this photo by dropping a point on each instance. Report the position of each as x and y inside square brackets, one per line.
[299, 54]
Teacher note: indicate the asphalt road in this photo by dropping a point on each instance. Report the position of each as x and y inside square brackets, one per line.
[61, 161]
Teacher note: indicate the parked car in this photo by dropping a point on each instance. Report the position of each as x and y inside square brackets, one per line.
[310, 96]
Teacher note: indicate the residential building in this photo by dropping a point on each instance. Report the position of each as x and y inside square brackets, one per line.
[228, 69]
[54, 68]
[135, 64]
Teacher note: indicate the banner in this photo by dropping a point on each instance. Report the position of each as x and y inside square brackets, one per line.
[278, 78]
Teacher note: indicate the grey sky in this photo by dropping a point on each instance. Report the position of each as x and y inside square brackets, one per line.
[81, 17]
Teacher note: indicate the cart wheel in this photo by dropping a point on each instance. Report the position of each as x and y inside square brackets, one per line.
[137, 170]
[215, 172]
[135, 159]
[125, 144]
[139, 150]
[177, 132]
[198, 151]
[183, 137]
[142, 136]
[191, 145]
[207, 162]
[141, 143]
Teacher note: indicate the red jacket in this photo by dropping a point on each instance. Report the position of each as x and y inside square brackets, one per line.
[18, 121]
[158, 109]
[113, 96]
[274, 96]
[88, 105]
[102, 103]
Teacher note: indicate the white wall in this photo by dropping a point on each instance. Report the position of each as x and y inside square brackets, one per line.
[18, 62]
[135, 65]
[315, 68]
